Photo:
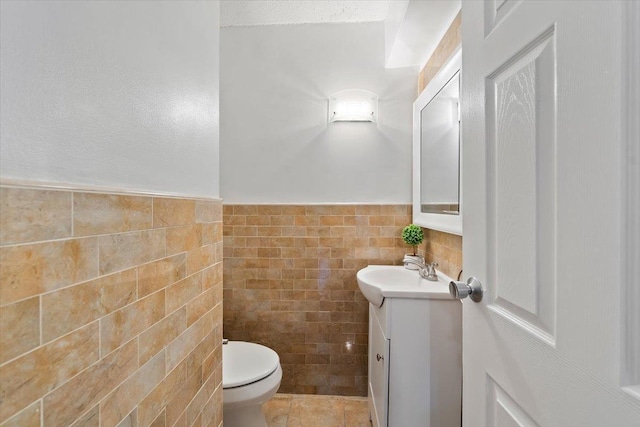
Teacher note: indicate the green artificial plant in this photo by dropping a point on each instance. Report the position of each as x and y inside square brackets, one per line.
[413, 236]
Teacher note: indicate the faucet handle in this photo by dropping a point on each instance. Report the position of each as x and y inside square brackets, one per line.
[431, 271]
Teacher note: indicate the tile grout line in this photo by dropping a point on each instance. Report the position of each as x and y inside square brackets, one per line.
[83, 282]
[100, 338]
[72, 213]
[40, 318]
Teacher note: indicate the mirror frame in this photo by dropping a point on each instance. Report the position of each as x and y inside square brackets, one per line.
[441, 222]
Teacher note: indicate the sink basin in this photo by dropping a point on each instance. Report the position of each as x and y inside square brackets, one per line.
[378, 282]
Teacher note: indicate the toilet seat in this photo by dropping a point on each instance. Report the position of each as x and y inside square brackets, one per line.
[245, 363]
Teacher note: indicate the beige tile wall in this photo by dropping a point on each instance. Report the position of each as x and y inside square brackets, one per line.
[449, 43]
[445, 249]
[290, 283]
[110, 309]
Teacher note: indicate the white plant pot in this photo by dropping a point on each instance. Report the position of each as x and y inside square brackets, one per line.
[418, 258]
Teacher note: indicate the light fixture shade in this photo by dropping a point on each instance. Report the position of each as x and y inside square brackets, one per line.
[353, 105]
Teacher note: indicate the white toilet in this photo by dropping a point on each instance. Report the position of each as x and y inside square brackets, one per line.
[251, 375]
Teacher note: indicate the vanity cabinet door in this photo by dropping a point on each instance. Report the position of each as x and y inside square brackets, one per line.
[378, 372]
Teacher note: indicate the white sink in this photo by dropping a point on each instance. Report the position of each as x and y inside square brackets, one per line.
[378, 282]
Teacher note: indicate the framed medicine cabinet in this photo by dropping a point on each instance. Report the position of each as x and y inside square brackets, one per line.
[437, 151]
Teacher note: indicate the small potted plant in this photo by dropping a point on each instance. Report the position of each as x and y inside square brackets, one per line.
[413, 236]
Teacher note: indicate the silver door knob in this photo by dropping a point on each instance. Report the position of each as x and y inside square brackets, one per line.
[461, 290]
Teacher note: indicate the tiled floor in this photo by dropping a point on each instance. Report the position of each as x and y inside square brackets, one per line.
[301, 410]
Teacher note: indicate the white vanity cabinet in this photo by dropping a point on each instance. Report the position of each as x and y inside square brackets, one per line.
[415, 362]
[378, 370]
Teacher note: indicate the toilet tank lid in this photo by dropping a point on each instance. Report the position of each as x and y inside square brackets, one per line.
[246, 362]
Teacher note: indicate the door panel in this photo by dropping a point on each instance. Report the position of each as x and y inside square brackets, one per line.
[521, 187]
[503, 410]
[495, 11]
[543, 154]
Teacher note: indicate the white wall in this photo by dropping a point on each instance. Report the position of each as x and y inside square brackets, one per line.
[115, 94]
[276, 145]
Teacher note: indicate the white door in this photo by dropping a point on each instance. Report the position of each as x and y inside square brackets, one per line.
[555, 340]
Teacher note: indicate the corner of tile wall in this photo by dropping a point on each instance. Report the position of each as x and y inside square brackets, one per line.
[110, 309]
[449, 43]
[445, 249]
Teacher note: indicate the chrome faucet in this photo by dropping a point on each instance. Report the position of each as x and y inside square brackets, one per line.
[426, 271]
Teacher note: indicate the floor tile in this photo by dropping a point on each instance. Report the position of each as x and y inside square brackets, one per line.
[277, 410]
[298, 410]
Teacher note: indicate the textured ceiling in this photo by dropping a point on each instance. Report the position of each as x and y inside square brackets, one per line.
[235, 13]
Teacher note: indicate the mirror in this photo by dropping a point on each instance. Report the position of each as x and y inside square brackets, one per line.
[440, 151]
[436, 152]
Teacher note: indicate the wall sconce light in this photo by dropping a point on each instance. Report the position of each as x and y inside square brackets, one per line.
[353, 105]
